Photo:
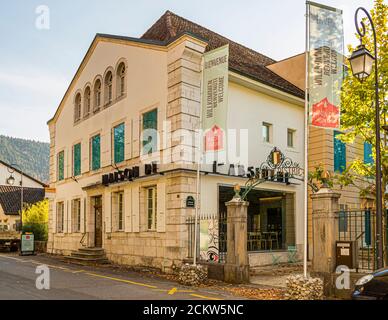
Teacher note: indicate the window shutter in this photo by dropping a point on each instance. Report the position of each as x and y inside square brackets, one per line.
[108, 212]
[161, 208]
[85, 156]
[77, 160]
[368, 157]
[128, 141]
[135, 209]
[127, 210]
[96, 152]
[53, 213]
[83, 214]
[339, 154]
[136, 136]
[66, 217]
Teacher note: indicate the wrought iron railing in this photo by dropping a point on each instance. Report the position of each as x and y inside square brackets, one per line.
[359, 226]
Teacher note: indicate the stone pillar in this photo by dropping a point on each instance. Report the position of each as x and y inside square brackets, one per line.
[325, 228]
[236, 268]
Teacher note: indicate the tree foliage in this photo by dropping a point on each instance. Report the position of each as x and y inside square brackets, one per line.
[358, 107]
[35, 219]
[31, 156]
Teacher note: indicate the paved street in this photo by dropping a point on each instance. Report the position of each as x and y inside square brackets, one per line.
[68, 281]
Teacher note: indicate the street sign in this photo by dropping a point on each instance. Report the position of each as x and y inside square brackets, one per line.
[190, 202]
[27, 244]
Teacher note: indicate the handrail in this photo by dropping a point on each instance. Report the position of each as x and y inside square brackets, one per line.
[83, 239]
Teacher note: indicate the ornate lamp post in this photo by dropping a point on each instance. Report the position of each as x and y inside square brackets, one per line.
[361, 63]
[11, 181]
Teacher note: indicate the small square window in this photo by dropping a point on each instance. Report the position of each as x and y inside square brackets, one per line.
[266, 131]
[290, 138]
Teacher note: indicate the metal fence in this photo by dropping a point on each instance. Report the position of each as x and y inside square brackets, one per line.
[215, 233]
[359, 226]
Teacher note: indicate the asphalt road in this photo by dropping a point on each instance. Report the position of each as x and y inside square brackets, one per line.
[67, 281]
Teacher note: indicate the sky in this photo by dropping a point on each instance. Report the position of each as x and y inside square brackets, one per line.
[38, 58]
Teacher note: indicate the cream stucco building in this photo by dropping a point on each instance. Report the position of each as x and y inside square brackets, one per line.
[123, 190]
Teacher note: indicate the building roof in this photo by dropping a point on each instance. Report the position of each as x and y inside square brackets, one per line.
[241, 59]
[44, 185]
[10, 197]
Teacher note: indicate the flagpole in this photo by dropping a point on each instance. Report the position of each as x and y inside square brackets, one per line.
[306, 135]
[199, 160]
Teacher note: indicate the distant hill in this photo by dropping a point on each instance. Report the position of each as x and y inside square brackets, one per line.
[32, 156]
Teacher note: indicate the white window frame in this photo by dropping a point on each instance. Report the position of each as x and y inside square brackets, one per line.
[292, 132]
[151, 211]
[268, 128]
[60, 225]
[76, 215]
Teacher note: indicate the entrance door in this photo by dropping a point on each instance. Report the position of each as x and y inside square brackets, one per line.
[98, 221]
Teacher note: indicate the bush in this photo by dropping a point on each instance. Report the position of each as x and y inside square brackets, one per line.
[35, 220]
[39, 230]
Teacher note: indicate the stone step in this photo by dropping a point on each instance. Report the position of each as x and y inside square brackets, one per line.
[87, 260]
[92, 250]
[88, 255]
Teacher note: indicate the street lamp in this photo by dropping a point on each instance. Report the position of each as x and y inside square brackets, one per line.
[11, 181]
[361, 63]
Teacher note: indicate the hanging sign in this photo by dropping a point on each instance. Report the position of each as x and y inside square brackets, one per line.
[215, 98]
[325, 65]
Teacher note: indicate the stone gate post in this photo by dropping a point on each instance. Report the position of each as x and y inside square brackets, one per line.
[324, 229]
[236, 269]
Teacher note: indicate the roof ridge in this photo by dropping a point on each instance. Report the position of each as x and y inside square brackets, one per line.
[169, 14]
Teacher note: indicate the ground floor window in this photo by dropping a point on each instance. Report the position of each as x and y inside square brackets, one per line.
[60, 216]
[151, 203]
[76, 215]
[118, 210]
[270, 220]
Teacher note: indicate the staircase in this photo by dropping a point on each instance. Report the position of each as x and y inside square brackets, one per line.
[91, 256]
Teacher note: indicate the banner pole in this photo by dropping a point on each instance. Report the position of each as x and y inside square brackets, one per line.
[199, 160]
[306, 135]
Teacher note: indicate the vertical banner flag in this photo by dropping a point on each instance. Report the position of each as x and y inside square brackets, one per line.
[215, 98]
[325, 65]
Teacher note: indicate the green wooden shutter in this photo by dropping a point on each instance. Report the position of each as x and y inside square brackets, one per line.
[150, 121]
[368, 157]
[339, 154]
[118, 137]
[77, 159]
[61, 165]
[96, 150]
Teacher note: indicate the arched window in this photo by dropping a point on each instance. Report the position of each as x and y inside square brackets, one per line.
[87, 101]
[97, 94]
[108, 82]
[121, 79]
[77, 107]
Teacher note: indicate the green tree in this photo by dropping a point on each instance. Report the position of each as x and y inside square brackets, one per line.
[358, 107]
[35, 219]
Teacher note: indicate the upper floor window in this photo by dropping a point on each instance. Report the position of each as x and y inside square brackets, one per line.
[87, 101]
[77, 107]
[108, 84]
[121, 79]
[266, 131]
[97, 94]
[150, 132]
[290, 138]
[339, 154]
[368, 156]
[118, 143]
[95, 147]
[61, 165]
[77, 159]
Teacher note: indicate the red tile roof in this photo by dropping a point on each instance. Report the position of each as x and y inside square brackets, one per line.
[241, 59]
